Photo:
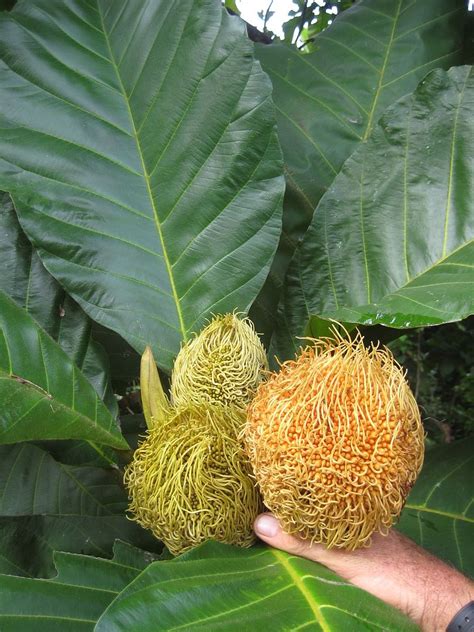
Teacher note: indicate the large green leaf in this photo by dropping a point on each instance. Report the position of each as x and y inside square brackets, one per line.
[27, 282]
[391, 242]
[439, 513]
[46, 506]
[220, 587]
[124, 360]
[329, 101]
[43, 394]
[139, 145]
[232, 589]
[74, 599]
[83, 453]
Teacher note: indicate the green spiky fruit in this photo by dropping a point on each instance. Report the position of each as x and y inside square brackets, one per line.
[190, 481]
[224, 364]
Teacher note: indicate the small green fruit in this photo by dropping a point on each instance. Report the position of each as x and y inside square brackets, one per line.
[224, 364]
[190, 481]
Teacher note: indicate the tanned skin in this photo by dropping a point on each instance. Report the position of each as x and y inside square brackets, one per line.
[393, 568]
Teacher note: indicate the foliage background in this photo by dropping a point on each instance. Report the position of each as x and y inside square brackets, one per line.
[85, 286]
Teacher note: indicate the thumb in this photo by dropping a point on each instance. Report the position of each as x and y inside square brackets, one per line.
[268, 529]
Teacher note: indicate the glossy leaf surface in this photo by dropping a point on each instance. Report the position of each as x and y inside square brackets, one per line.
[329, 101]
[47, 505]
[74, 599]
[139, 145]
[29, 284]
[43, 393]
[392, 240]
[439, 513]
[217, 586]
[124, 360]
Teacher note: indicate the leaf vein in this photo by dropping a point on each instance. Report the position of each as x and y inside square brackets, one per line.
[152, 201]
[302, 59]
[271, 71]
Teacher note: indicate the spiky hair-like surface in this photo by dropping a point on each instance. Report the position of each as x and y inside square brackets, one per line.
[336, 442]
[190, 481]
[223, 364]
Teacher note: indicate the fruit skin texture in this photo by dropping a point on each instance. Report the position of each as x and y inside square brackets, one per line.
[190, 481]
[336, 442]
[224, 364]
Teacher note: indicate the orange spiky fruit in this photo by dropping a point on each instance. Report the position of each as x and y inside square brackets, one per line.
[336, 442]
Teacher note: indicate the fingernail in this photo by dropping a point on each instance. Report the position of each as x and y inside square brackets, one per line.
[267, 526]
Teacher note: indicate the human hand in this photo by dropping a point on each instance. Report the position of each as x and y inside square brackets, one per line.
[393, 568]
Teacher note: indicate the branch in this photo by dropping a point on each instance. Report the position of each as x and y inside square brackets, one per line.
[303, 20]
[267, 17]
[257, 36]
[253, 33]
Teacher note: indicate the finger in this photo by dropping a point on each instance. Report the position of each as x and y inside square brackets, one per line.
[347, 564]
[268, 529]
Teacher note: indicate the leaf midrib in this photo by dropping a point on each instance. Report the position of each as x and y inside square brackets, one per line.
[370, 119]
[86, 421]
[299, 583]
[397, 293]
[44, 617]
[451, 165]
[439, 512]
[427, 270]
[146, 177]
